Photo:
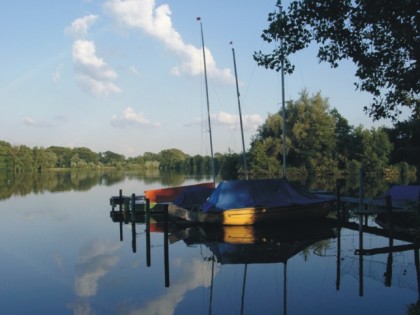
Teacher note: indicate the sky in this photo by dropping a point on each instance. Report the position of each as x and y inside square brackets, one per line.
[127, 75]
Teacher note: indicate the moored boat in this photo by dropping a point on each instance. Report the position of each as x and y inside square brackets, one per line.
[250, 202]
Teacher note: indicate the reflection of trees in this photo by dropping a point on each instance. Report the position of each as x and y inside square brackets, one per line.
[26, 183]
[34, 182]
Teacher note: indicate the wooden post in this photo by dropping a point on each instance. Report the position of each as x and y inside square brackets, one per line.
[361, 188]
[166, 247]
[120, 201]
[148, 256]
[133, 236]
[338, 188]
[133, 207]
[388, 200]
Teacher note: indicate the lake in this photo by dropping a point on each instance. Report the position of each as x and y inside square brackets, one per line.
[63, 254]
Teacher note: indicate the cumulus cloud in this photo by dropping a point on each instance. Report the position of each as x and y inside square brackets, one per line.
[196, 274]
[80, 26]
[130, 118]
[57, 73]
[156, 22]
[231, 121]
[249, 122]
[95, 261]
[91, 71]
[29, 121]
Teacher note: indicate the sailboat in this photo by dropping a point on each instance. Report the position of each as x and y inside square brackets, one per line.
[246, 202]
[249, 202]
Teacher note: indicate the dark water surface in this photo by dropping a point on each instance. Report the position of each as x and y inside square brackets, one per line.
[61, 253]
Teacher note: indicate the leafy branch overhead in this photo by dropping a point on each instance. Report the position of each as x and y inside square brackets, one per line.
[380, 37]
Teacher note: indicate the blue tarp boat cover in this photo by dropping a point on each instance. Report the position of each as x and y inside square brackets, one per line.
[193, 197]
[259, 193]
[405, 193]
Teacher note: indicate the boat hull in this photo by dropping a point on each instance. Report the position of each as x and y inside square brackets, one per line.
[253, 215]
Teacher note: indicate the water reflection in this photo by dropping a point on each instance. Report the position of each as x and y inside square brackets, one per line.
[252, 245]
[22, 184]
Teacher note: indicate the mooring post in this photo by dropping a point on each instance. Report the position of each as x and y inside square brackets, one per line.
[133, 236]
[361, 192]
[133, 207]
[361, 188]
[166, 247]
[120, 201]
[388, 200]
[148, 257]
[339, 185]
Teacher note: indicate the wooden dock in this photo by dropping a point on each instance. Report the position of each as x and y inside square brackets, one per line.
[378, 206]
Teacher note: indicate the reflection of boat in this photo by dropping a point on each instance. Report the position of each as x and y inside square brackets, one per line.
[248, 202]
[258, 244]
[244, 245]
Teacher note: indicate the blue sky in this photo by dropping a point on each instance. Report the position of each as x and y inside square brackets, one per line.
[127, 75]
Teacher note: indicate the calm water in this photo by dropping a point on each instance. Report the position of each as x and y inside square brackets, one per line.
[61, 253]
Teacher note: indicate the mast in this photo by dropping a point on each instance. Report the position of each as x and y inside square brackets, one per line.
[283, 107]
[240, 114]
[208, 102]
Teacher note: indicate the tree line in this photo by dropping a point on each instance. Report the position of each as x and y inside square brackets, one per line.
[319, 140]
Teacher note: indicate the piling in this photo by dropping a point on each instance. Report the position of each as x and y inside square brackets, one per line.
[148, 256]
[120, 208]
[166, 247]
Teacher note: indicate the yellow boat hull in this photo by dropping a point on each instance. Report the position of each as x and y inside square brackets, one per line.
[252, 215]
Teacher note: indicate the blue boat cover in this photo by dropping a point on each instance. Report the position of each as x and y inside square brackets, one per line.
[405, 193]
[259, 193]
[193, 196]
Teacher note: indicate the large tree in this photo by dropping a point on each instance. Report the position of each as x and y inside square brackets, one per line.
[382, 38]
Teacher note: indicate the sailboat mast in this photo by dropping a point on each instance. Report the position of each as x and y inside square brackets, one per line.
[208, 103]
[240, 114]
[283, 107]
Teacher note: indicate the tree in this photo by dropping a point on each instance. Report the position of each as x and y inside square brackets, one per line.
[86, 155]
[311, 129]
[6, 158]
[406, 139]
[344, 139]
[63, 156]
[266, 147]
[372, 148]
[380, 37]
[111, 158]
[172, 159]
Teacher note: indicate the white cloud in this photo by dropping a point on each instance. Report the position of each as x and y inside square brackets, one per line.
[95, 261]
[130, 118]
[231, 121]
[156, 21]
[34, 123]
[80, 26]
[57, 73]
[134, 71]
[249, 122]
[196, 275]
[91, 71]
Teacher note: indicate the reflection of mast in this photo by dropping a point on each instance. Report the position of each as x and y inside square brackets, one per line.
[208, 102]
[285, 288]
[243, 289]
[211, 285]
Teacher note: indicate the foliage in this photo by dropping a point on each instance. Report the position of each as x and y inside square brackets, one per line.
[312, 133]
[380, 37]
[406, 139]
[318, 141]
[372, 148]
[266, 147]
